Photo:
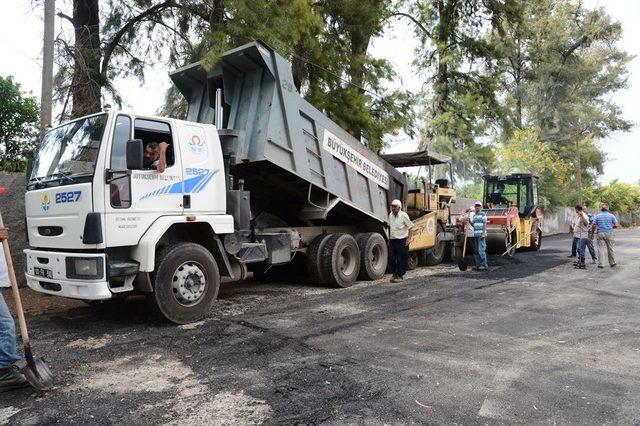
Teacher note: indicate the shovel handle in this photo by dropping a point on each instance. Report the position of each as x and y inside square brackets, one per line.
[464, 246]
[16, 292]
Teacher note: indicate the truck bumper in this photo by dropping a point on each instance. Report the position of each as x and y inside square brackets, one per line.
[55, 279]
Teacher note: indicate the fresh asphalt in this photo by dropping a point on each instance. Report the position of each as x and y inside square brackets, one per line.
[532, 341]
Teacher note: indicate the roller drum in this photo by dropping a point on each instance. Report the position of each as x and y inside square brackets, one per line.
[497, 242]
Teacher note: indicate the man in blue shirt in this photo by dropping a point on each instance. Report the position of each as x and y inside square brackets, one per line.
[603, 225]
[479, 222]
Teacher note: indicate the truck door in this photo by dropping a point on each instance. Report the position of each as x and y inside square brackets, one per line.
[136, 198]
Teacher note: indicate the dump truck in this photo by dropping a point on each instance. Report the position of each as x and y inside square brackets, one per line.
[255, 177]
[428, 205]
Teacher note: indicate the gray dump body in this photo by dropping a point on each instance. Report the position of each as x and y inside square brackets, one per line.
[298, 165]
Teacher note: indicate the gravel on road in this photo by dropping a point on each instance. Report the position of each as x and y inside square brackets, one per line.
[531, 341]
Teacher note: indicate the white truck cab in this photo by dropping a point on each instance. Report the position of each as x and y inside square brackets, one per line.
[97, 215]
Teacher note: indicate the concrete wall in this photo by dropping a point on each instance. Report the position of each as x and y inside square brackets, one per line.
[12, 208]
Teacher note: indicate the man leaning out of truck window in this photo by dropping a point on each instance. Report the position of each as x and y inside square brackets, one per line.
[155, 156]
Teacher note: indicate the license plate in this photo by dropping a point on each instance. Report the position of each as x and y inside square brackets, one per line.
[42, 272]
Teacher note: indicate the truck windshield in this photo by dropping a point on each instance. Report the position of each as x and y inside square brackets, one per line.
[68, 153]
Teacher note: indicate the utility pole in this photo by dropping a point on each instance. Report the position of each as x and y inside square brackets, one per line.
[46, 96]
[579, 175]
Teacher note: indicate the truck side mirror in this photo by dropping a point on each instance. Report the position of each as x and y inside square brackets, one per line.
[135, 154]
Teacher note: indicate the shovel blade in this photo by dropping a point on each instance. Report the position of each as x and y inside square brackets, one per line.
[38, 374]
[462, 265]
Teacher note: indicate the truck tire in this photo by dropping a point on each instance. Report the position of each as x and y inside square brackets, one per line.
[186, 282]
[435, 255]
[314, 259]
[340, 260]
[510, 244]
[412, 260]
[374, 254]
[536, 241]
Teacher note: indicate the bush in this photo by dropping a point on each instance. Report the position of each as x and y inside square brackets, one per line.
[18, 126]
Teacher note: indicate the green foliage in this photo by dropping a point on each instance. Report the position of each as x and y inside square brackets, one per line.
[346, 82]
[327, 43]
[524, 152]
[559, 63]
[461, 104]
[471, 190]
[18, 125]
[619, 196]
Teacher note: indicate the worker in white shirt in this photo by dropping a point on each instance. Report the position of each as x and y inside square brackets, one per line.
[399, 240]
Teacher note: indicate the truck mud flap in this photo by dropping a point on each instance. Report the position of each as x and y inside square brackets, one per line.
[222, 259]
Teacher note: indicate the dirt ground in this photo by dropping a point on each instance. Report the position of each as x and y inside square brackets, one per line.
[532, 341]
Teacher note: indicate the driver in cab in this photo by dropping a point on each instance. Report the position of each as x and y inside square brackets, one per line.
[155, 156]
[497, 197]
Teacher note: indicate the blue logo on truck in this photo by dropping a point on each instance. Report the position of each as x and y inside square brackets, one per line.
[192, 185]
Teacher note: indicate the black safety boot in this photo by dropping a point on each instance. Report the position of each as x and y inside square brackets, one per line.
[11, 378]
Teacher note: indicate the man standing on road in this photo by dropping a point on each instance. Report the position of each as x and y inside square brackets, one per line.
[591, 239]
[479, 222]
[399, 227]
[581, 231]
[10, 377]
[603, 225]
[575, 240]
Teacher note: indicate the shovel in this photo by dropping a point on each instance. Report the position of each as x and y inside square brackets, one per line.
[462, 262]
[36, 370]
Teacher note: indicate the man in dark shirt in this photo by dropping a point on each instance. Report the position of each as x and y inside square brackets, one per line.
[497, 197]
[155, 156]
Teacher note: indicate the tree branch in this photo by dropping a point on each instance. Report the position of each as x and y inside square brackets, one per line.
[582, 40]
[65, 16]
[115, 40]
[415, 21]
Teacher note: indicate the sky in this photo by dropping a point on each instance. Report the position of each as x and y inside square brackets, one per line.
[21, 53]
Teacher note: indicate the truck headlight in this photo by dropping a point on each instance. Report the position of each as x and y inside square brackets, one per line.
[85, 267]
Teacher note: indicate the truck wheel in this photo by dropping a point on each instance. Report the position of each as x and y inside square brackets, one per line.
[536, 241]
[186, 282]
[412, 260]
[422, 257]
[435, 255]
[510, 244]
[340, 260]
[314, 259]
[373, 256]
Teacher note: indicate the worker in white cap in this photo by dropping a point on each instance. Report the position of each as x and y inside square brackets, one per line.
[399, 239]
[479, 222]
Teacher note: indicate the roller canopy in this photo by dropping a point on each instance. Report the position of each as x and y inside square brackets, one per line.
[418, 158]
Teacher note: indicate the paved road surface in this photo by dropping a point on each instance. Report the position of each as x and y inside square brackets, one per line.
[533, 341]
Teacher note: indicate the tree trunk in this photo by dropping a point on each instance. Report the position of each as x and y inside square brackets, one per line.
[86, 85]
[518, 81]
[444, 32]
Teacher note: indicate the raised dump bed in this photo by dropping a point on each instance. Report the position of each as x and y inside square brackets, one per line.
[300, 167]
